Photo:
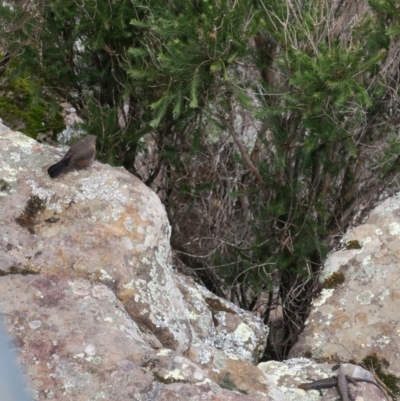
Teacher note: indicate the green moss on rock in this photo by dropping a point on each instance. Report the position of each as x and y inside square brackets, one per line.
[228, 383]
[4, 186]
[27, 218]
[334, 280]
[392, 382]
[22, 109]
[353, 244]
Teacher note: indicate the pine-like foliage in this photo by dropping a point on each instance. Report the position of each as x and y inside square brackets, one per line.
[188, 46]
[274, 124]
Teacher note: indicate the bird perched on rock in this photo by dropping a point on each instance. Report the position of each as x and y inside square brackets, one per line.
[79, 155]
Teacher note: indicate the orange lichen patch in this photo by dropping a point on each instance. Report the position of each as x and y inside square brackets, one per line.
[383, 329]
[361, 318]
[127, 293]
[240, 376]
[394, 296]
[217, 305]
[339, 319]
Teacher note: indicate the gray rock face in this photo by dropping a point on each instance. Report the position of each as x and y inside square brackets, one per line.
[96, 312]
[89, 297]
[361, 316]
[293, 372]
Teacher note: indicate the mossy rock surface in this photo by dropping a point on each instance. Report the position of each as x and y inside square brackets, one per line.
[21, 109]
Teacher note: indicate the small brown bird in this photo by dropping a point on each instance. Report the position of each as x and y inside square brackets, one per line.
[79, 155]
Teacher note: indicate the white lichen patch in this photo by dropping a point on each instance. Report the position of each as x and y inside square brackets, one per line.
[394, 228]
[325, 294]
[363, 242]
[384, 340]
[35, 324]
[99, 187]
[145, 260]
[23, 141]
[162, 322]
[196, 296]
[378, 231]
[105, 276]
[15, 157]
[276, 394]
[90, 350]
[39, 190]
[193, 316]
[163, 352]
[365, 297]
[129, 285]
[198, 375]
[244, 332]
[367, 262]
[162, 255]
[8, 172]
[175, 375]
[274, 370]
[205, 381]
[129, 224]
[204, 357]
[384, 293]
[370, 270]
[328, 319]
[297, 364]
[221, 317]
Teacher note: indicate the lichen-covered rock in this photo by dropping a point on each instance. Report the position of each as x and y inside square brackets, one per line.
[221, 324]
[93, 349]
[90, 298]
[285, 378]
[101, 226]
[360, 315]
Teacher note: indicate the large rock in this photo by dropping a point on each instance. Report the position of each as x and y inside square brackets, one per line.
[94, 308]
[77, 342]
[289, 374]
[89, 296]
[360, 315]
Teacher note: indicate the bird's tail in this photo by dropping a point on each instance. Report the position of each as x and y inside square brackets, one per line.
[56, 169]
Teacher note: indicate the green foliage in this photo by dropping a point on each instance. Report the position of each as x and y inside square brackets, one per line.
[376, 365]
[388, 10]
[187, 48]
[323, 140]
[334, 280]
[76, 50]
[353, 244]
[21, 109]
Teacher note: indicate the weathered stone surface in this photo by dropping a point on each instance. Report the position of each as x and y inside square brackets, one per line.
[103, 227]
[95, 310]
[287, 376]
[90, 298]
[93, 349]
[360, 316]
[232, 330]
